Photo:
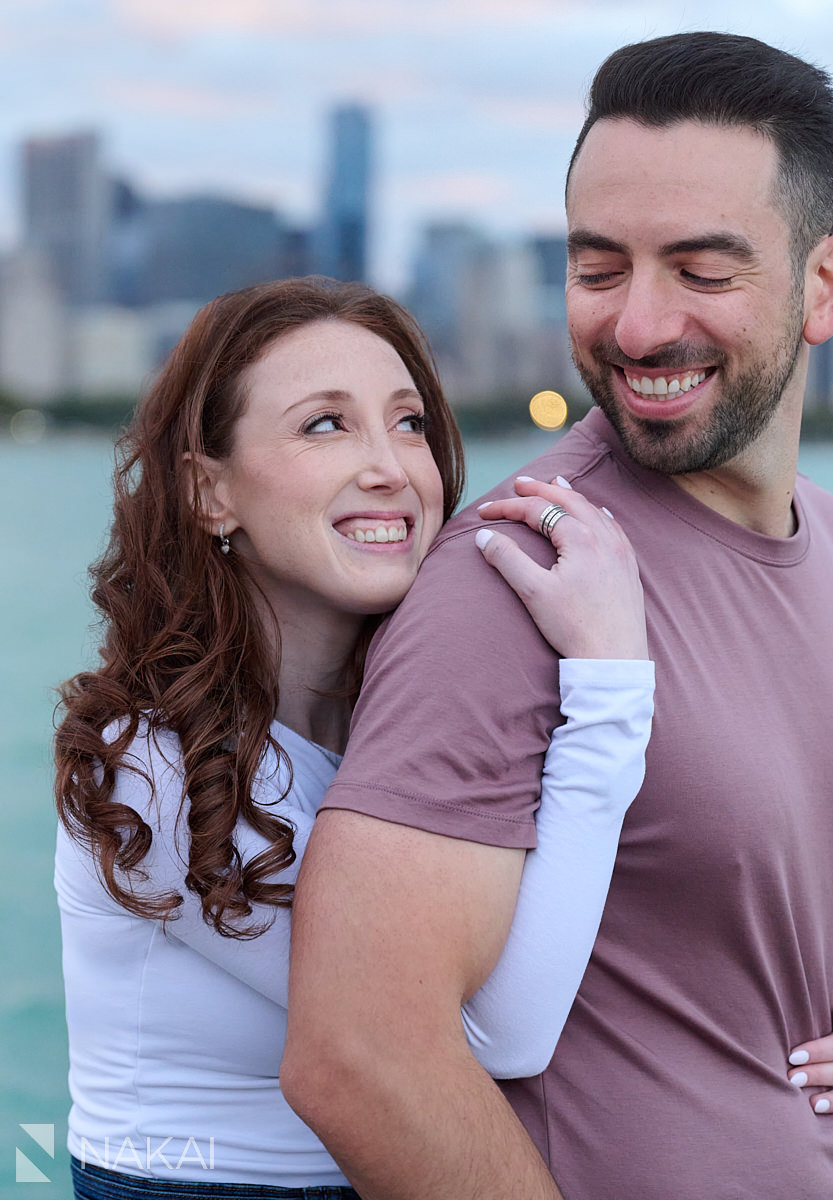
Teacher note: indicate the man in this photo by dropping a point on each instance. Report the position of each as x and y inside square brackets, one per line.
[699, 202]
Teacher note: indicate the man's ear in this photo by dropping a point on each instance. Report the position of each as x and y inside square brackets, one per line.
[210, 493]
[818, 294]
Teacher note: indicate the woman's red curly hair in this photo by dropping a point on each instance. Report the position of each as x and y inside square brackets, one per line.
[183, 648]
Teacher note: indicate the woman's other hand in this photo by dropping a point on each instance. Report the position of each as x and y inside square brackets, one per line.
[589, 604]
[814, 1068]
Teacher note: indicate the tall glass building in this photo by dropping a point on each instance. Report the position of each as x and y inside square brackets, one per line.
[342, 234]
[65, 211]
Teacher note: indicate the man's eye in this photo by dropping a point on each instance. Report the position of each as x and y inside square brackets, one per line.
[598, 278]
[324, 423]
[705, 281]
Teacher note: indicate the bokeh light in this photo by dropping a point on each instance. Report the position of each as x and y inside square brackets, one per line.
[548, 410]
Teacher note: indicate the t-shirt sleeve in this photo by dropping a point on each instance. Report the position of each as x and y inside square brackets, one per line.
[459, 700]
[594, 767]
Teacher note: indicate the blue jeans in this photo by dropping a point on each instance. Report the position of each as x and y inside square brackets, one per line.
[96, 1183]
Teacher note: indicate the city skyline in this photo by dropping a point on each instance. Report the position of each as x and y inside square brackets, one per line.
[476, 107]
[105, 279]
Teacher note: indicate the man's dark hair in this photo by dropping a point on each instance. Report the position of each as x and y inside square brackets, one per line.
[726, 79]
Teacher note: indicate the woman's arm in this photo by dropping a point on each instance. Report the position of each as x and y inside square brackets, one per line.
[589, 606]
[593, 769]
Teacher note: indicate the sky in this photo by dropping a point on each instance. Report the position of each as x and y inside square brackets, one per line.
[476, 102]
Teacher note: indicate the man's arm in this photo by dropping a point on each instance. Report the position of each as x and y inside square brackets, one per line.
[393, 929]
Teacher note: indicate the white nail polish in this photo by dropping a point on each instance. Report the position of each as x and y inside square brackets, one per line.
[607, 512]
[524, 479]
[799, 1057]
[821, 1106]
[485, 504]
[483, 537]
[562, 482]
[799, 1079]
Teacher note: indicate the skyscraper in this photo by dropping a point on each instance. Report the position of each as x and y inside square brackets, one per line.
[196, 247]
[66, 200]
[342, 235]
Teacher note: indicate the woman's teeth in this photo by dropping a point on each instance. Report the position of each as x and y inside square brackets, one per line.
[666, 386]
[382, 533]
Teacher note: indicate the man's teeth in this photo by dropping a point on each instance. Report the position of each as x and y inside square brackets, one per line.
[665, 385]
[382, 533]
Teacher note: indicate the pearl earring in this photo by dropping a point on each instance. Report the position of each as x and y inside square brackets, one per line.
[225, 544]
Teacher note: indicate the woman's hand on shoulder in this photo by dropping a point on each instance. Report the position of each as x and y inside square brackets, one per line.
[589, 604]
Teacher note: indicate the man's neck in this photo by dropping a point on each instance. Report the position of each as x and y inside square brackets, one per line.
[763, 507]
[755, 488]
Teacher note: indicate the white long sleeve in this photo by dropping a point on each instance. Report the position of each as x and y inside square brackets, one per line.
[593, 769]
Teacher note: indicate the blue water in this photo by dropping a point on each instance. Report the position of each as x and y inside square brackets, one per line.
[54, 497]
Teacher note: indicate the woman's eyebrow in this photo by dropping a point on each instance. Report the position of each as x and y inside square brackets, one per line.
[338, 396]
[325, 396]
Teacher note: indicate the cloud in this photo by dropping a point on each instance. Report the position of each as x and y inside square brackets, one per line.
[465, 191]
[535, 115]
[189, 101]
[337, 18]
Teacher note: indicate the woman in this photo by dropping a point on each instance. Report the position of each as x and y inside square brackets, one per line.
[279, 487]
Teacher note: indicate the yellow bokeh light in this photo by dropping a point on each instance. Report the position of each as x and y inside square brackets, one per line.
[548, 410]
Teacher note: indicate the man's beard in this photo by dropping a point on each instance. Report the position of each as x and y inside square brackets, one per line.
[747, 404]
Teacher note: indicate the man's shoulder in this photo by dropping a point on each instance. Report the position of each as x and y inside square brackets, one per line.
[458, 600]
[814, 505]
[581, 452]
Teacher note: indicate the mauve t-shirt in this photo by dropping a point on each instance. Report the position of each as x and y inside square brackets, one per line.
[715, 954]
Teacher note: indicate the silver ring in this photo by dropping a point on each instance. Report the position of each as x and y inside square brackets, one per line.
[550, 517]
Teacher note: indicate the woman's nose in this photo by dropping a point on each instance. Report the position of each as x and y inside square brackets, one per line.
[381, 467]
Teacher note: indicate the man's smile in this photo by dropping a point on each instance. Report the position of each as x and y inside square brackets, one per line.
[664, 386]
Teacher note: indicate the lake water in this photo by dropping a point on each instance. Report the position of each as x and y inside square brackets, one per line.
[54, 496]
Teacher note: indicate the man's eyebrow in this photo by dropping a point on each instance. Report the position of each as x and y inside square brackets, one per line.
[584, 239]
[723, 243]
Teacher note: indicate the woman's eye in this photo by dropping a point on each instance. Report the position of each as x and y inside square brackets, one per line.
[705, 281]
[325, 423]
[413, 423]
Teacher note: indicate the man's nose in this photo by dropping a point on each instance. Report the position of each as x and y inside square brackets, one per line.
[651, 317]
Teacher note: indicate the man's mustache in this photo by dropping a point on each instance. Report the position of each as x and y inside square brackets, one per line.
[674, 357]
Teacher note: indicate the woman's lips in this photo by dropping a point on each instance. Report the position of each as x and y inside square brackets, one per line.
[373, 530]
